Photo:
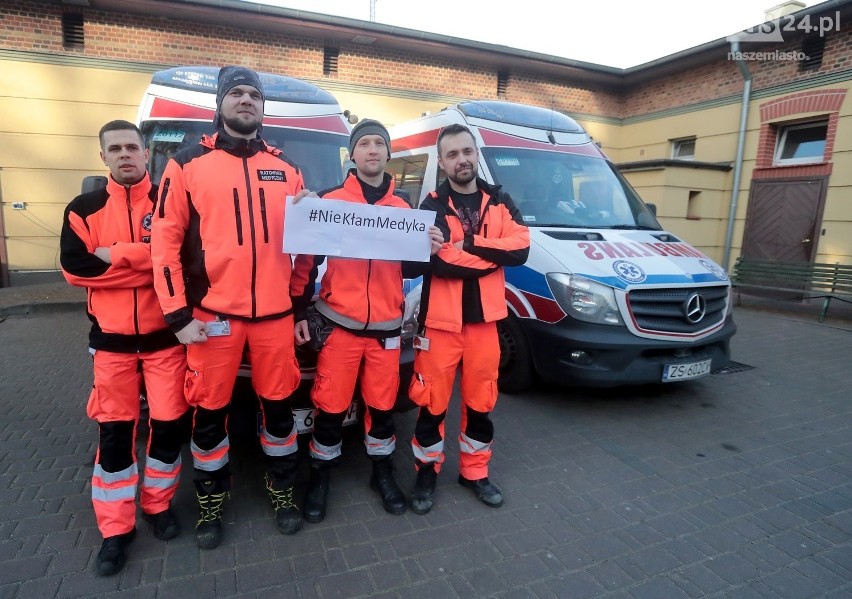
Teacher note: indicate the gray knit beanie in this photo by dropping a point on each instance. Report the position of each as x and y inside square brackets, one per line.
[368, 127]
[229, 78]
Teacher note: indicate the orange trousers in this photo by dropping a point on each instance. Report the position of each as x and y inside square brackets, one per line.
[342, 361]
[477, 348]
[115, 404]
[212, 371]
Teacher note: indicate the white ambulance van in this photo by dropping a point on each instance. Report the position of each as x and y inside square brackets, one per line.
[607, 297]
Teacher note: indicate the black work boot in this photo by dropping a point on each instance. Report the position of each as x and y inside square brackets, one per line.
[424, 488]
[111, 557]
[164, 524]
[211, 499]
[484, 490]
[288, 518]
[316, 498]
[383, 482]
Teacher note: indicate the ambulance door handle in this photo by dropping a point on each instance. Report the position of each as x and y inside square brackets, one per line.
[806, 240]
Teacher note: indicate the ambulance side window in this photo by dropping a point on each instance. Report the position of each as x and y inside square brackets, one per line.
[408, 173]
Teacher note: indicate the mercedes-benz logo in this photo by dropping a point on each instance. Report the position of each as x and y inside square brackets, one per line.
[695, 308]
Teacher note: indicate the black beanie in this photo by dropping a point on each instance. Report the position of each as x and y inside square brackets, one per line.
[229, 78]
[368, 127]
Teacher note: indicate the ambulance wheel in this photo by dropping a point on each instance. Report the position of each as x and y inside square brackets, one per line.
[516, 368]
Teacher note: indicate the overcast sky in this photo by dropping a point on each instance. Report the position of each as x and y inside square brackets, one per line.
[619, 33]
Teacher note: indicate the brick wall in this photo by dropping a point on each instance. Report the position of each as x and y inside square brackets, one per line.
[36, 26]
[722, 78]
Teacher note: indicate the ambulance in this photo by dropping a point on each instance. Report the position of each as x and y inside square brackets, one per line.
[607, 297]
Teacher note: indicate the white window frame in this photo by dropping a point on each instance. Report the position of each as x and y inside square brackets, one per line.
[781, 142]
[678, 143]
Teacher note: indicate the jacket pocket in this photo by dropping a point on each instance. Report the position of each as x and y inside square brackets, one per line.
[263, 216]
[167, 273]
[238, 217]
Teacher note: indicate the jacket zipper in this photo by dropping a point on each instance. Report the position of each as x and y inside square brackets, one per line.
[369, 278]
[163, 193]
[238, 217]
[253, 239]
[133, 240]
[168, 274]
[263, 216]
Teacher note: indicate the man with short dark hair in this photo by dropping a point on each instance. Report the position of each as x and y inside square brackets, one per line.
[105, 247]
[223, 282]
[463, 297]
[362, 300]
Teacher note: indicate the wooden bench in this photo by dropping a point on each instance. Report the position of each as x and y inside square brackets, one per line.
[801, 280]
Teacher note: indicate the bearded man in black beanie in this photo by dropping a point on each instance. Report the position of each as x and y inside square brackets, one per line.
[222, 281]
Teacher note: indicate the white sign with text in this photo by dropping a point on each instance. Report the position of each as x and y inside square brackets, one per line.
[330, 227]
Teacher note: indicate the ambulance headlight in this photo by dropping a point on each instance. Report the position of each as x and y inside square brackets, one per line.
[584, 299]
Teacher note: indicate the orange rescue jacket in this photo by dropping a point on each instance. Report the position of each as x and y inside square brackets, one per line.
[358, 295]
[122, 305]
[474, 274]
[218, 231]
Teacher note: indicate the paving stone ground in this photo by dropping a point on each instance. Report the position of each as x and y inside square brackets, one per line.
[738, 485]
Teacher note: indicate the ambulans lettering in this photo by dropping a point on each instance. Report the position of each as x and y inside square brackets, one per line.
[598, 250]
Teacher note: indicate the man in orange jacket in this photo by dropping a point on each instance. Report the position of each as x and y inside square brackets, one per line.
[362, 300]
[462, 299]
[223, 282]
[105, 248]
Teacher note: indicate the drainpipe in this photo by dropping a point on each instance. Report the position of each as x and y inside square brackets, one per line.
[738, 164]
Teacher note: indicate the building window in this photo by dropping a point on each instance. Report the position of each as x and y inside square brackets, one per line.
[502, 84]
[813, 49]
[329, 61]
[693, 206]
[802, 143]
[72, 30]
[683, 149]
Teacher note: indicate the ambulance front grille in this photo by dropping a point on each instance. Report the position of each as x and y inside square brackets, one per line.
[676, 310]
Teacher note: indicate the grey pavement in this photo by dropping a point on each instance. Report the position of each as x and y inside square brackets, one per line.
[738, 485]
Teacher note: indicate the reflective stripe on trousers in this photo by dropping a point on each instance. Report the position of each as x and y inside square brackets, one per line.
[159, 485]
[114, 499]
[380, 446]
[210, 460]
[434, 454]
[279, 446]
[324, 452]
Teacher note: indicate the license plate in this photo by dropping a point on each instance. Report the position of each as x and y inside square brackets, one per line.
[305, 418]
[682, 372]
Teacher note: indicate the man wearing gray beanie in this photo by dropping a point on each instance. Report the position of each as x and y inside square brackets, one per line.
[368, 127]
[222, 282]
[229, 78]
[362, 301]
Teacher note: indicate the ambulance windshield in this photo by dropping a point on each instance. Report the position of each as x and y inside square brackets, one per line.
[561, 189]
[319, 155]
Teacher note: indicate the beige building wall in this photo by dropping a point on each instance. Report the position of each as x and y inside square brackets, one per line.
[51, 115]
[703, 221]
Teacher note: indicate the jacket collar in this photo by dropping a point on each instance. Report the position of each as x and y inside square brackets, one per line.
[137, 190]
[237, 146]
[444, 191]
[355, 186]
